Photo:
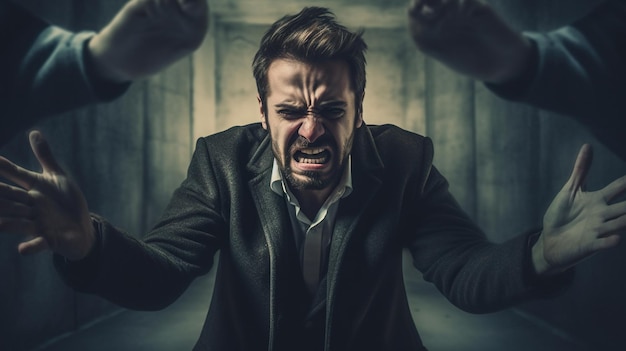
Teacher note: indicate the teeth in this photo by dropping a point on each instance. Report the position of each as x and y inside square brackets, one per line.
[313, 160]
[312, 151]
[312, 156]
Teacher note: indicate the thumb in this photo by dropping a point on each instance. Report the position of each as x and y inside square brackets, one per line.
[42, 151]
[581, 167]
[39, 244]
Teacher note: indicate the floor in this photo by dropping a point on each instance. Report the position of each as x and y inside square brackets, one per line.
[442, 326]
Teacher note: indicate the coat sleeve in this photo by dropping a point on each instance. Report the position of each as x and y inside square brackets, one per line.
[45, 70]
[475, 274]
[150, 274]
[578, 69]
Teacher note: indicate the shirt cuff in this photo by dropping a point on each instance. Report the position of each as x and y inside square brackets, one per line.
[82, 273]
[103, 89]
[547, 285]
[516, 89]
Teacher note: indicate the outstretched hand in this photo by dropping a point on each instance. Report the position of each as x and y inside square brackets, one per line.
[147, 36]
[469, 37]
[578, 223]
[47, 207]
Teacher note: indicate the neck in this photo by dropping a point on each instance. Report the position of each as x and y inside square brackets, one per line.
[312, 200]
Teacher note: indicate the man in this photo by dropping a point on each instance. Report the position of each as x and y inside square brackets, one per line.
[48, 70]
[577, 70]
[310, 210]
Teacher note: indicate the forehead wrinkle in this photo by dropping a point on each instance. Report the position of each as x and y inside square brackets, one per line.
[313, 82]
[301, 83]
[324, 87]
[300, 88]
[288, 87]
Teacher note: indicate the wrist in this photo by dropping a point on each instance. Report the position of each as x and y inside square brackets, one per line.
[100, 59]
[517, 61]
[88, 245]
[539, 263]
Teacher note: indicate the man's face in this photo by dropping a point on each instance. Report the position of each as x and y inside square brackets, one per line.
[311, 118]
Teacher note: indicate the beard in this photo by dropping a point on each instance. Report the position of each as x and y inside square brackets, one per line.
[313, 180]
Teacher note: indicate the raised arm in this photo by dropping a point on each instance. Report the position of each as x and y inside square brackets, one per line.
[469, 37]
[49, 70]
[577, 70]
[148, 35]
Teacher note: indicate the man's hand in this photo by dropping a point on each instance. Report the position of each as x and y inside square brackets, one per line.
[469, 37]
[48, 206]
[578, 223]
[147, 36]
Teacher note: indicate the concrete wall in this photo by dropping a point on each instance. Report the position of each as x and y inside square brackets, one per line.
[504, 161]
[511, 160]
[127, 156]
[594, 309]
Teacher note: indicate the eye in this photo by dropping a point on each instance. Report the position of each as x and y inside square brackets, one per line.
[333, 113]
[288, 113]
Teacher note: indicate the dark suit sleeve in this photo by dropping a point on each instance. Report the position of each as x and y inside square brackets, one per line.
[151, 273]
[473, 273]
[578, 69]
[44, 70]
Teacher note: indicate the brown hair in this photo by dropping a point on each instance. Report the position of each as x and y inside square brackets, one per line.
[312, 36]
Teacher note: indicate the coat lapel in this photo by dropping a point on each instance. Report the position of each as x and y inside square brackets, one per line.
[366, 179]
[286, 284]
[272, 214]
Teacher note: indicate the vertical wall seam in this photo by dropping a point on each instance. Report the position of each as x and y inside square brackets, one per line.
[192, 112]
[427, 95]
[145, 156]
[474, 143]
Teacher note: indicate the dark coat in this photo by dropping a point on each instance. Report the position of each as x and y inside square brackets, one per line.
[399, 201]
[579, 70]
[44, 71]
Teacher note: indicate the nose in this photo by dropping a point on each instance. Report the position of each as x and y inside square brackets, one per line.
[311, 128]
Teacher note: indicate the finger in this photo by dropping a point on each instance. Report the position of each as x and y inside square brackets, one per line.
[168, 8]
[614, 226]
[42, 151]
[613, 211]
[469, 8]
[23, 226]
[428, 10]
[137, 9]
[15, 209]
[414, 7]
[17, 174]
[12, 193]
[150, 8]
[37, 245]
[605, 242]
[581, 167]
[615, 188]
[194, 8]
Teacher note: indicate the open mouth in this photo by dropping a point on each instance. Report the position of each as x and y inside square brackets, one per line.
[312, 156]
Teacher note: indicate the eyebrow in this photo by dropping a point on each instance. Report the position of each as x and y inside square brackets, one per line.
[289, 105]
[324, 104]
[333, 103]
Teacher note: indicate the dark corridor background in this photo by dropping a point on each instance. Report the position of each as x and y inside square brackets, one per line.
[504, 161]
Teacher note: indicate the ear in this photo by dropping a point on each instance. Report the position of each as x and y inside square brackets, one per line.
[359, 113]
[262, 112]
